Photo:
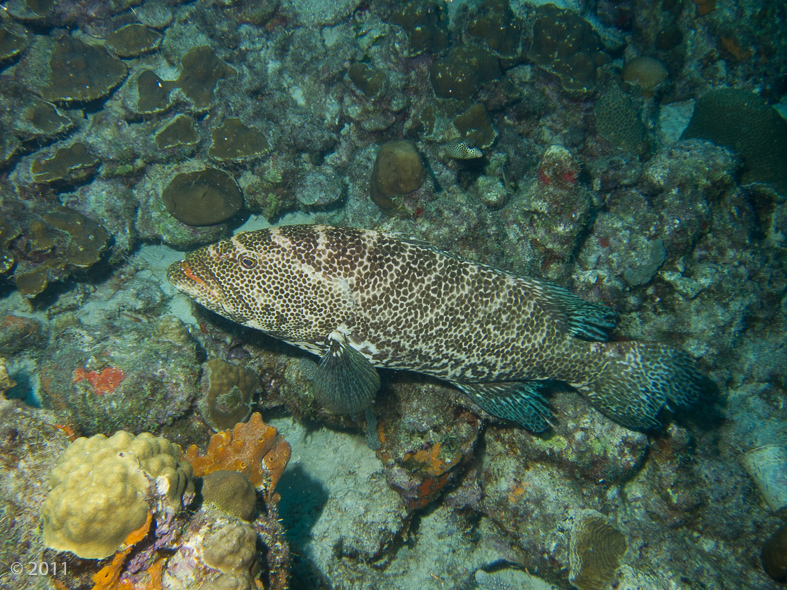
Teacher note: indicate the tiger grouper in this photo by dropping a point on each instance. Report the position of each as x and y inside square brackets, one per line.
[363, 300]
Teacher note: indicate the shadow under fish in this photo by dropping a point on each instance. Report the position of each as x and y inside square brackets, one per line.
[363, 300]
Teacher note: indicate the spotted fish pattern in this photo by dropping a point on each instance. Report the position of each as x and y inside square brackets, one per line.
[363, 300]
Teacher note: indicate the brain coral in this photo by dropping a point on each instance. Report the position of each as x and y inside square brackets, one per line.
[595, 552]
[99, 487]
[743, 122]
[618, 121]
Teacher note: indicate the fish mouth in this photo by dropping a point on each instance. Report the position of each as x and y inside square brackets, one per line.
[200, 285]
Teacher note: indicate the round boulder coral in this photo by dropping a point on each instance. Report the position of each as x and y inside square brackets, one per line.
[231, 492]
[398, 170]
[99, 489]
[231, 549]
[646, 73]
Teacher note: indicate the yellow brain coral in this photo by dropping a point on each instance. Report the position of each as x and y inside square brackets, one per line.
[99, 487]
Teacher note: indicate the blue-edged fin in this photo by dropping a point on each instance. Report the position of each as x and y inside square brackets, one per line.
[584, 320]
[518, 401]
[345, 382]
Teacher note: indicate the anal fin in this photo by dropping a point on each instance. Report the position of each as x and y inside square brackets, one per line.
[345, 382]
[518, 401]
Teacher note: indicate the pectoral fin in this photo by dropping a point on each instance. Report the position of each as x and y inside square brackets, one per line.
[519, 401]
[346, 381]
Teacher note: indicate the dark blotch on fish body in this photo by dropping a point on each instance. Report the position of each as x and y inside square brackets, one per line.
[363, 300]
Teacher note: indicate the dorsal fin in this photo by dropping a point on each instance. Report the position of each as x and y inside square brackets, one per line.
[580, 318]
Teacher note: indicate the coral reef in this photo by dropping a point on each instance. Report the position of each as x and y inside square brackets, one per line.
[252, 448]
[743, 122]
[398, 170]
[233, 140]
[177, 132]
[462, 72]
[495, 23]
[619, 122]
[425, 23]
[133, 40]
[774, 555]
[227, 391]
[69, 164]
[645, 73]
[203, 197]
[566, 45]
[81, 72]
[230, 492]
[118, 471]
[55, 246]
[475, 128]
[6, 383]
[596, 550]
[368, 79]
[29, 448]
[201, 71]
[140, 378]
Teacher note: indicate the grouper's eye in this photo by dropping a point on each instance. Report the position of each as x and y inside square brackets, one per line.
[247, 262]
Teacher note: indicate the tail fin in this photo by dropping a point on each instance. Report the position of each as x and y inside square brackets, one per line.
[638, 379]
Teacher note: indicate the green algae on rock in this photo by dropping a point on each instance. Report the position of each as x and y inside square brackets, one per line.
[233, 140]
[71, 164]
[133, 40]
[745, 123]
[201, 71]
[81, 73]
[179, 132]
[203, 197]
[227, 393]
[398, 170]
